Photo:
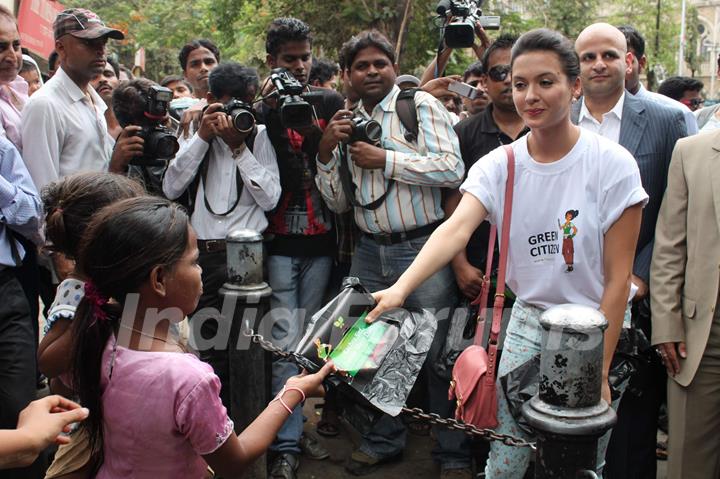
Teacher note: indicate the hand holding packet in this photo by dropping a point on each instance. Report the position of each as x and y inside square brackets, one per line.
[380, 361]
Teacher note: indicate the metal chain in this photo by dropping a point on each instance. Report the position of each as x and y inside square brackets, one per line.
[487, 433]
[416, 413]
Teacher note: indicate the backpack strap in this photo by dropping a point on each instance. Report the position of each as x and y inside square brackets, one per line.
[405, 107]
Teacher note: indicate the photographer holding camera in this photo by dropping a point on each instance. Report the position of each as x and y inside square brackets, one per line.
[303, 245]
[144, 145]
[229, 172]
[395, 186]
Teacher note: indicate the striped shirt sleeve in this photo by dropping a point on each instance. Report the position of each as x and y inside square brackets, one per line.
[438, 161]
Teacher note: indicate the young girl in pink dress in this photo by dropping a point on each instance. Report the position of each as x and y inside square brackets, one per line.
[155, 411]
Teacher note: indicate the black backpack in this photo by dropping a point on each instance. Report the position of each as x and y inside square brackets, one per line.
[407, 113]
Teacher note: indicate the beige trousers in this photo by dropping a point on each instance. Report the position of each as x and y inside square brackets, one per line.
[694, 413]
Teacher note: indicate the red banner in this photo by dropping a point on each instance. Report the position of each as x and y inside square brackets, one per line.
[35, 20]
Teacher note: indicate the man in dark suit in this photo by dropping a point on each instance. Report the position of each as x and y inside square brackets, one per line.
[649, 131]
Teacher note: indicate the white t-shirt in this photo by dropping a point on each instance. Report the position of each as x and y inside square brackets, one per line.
[551, 262]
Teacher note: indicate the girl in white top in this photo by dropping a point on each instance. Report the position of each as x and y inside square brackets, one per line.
[559, 169]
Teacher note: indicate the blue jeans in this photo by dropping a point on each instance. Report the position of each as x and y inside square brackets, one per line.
[379, 267]
[522, 342]
[298, 285]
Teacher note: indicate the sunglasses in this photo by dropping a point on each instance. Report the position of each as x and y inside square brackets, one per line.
[694, 102]
[499, 72]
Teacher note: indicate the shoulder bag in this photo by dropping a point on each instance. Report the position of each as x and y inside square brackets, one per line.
[473, 377]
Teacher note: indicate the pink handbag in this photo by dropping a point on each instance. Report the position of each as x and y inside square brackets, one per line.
[473, 377]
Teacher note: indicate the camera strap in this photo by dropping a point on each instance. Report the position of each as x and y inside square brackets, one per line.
[204, 166]
[349, 187]
[407, 114]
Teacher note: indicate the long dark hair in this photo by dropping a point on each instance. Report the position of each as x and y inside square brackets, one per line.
[121, 246]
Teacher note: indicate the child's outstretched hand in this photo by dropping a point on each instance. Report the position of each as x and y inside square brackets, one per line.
[311, 384]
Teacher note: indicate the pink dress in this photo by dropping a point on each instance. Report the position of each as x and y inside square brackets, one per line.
[161, 412]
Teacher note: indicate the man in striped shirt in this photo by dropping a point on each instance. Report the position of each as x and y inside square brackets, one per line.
[395, 190]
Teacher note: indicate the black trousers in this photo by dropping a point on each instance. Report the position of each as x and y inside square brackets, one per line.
[631, 452]
[214, 275]
[17, 363]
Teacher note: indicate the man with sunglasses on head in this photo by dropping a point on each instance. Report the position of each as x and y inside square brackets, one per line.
[498, 124]
[64, 129]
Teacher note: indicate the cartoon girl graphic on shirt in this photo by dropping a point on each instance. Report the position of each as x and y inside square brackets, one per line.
[569, 231]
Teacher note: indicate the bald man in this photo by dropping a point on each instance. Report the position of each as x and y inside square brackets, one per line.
[648, 131]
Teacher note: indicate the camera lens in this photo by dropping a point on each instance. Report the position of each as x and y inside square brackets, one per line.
[162, 145]
[296, 114]
[243, 120]
[373, 131]
[460, 34]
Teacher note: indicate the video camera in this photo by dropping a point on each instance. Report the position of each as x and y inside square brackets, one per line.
[295, 110]
[460, 31]
[160, 143]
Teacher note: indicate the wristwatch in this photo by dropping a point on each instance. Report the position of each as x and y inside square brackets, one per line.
[238, 151]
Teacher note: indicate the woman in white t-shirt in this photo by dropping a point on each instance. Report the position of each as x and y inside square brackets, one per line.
[560, 169]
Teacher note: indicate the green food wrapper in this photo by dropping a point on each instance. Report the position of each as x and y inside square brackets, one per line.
[361, 347]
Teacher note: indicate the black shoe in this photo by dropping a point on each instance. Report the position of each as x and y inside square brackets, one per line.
[311, 447]
[284, 466]
[361, 464]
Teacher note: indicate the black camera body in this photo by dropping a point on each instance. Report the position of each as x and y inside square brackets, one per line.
[295, 110]
[241, 114]
[368, 131]
[460, 32]
[160, 142]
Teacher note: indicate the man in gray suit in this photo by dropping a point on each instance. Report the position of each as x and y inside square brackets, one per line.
[649, 131]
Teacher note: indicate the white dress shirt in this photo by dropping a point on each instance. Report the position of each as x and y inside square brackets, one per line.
[690, 120]
[64, 131]
[610, 126]
[260, 178]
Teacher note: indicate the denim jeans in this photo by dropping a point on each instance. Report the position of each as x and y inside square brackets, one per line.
[523, 341]
[298, 285]
[379, 267]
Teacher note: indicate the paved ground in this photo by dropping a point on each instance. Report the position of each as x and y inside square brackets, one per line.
[416, 463]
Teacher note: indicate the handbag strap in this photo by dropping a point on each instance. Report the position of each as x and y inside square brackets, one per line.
[482, 298]
[499, 300]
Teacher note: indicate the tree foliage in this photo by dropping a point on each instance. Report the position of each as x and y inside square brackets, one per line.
[238, 26]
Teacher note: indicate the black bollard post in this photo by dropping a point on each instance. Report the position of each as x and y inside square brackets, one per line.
[569, 414]
[247, 296]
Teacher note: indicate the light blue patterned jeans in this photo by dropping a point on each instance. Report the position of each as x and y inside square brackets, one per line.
[522, 343]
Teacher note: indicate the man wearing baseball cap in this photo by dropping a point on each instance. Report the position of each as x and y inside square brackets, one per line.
[64, 128]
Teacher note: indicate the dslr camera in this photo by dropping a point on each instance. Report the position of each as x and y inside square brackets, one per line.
[160, 143]
[293, 102]
[368, 131]
[460, 17]
[241, 115]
